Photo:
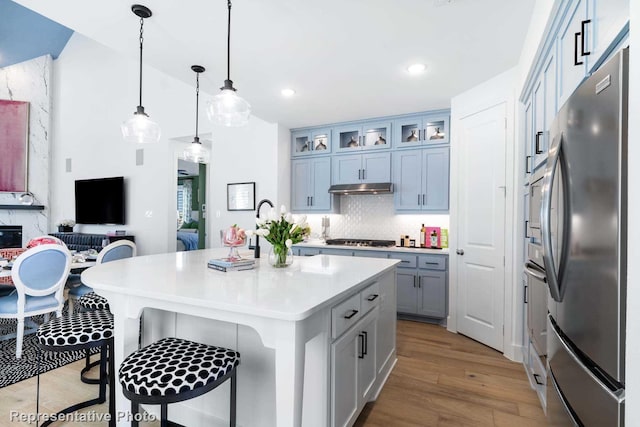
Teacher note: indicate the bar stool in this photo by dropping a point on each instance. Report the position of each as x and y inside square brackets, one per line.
[89, 302]
[82, 331]
[173, 370]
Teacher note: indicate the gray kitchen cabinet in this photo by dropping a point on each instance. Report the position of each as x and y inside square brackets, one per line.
[310, 141]
[572, 48]
[407, 290]
[419, 130]
[421, 179]
[432, 286]
[361, 168]
[369, 135]
[310, 182]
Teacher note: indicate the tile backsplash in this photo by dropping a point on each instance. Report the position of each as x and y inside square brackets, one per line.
[374, 217]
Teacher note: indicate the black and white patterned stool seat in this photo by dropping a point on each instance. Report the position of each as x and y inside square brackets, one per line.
[172, 366]
[93, 301]
[79, 328]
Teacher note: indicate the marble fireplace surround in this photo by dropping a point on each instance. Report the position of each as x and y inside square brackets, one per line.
[31, 81]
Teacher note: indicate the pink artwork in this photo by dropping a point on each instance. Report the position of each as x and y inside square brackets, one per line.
[432, 237]
[14, 133]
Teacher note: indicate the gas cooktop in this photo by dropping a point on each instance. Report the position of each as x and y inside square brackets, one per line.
[361, 242]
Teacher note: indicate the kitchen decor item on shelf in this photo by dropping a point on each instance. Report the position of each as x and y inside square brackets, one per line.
[282, 231]
[233, 237]
[444, 238]
[423, 236]
[320, 145]
[353, 142]
[413, 137]
[27, 198]
[380, 141]
[437, 134]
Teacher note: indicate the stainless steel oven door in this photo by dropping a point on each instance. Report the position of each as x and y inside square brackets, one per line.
[535, 202]
[537, 308]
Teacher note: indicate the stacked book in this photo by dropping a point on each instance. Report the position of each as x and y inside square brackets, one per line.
[226, 264]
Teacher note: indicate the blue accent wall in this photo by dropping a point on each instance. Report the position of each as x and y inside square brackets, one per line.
[25, 34]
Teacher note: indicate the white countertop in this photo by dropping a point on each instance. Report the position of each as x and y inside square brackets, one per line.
[322, 244]
[292, 293]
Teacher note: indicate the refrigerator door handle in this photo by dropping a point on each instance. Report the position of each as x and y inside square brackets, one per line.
[618, 395]
[545, 219]
[555, 276]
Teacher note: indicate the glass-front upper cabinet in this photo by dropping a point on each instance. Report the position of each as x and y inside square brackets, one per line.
[421, 130]
[363, 136]
[312, 141]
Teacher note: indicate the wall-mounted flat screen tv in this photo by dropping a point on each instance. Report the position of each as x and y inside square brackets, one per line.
[100, 201]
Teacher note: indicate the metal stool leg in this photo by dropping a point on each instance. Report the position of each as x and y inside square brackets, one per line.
[38, 388]
[135, 408]
[111, 377]
[232, 417]
[163, 415]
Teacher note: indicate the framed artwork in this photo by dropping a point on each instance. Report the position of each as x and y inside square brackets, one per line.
[14, 139]
[241, 196]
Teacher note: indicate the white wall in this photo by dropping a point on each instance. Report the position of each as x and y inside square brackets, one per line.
[632, 404]
[31, 81]
[256, 153]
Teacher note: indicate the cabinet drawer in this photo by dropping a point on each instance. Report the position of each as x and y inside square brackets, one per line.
[406, 260]
[344, 315]
[370, 297]
[432, 262]
[370, 254]
[341, 252]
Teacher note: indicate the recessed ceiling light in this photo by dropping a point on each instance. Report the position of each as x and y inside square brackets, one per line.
[416, 68]
[287, 92]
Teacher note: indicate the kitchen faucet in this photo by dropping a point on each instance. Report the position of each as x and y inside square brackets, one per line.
[256, 253]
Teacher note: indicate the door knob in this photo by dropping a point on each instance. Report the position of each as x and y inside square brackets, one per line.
[460, 251]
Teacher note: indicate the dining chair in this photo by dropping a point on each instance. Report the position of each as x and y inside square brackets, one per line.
[39, 275]
[119, 249]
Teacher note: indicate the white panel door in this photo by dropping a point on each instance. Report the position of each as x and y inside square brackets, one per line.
[481, 219]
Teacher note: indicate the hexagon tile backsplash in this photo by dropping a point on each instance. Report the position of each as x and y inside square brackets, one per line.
[374, 217]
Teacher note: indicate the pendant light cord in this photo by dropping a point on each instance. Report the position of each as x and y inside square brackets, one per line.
[197, 98]
[141, 41]
[229, 41]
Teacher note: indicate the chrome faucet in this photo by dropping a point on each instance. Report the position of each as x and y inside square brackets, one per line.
[256, 253]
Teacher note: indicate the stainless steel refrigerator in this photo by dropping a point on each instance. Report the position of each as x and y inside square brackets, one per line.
[584, 228]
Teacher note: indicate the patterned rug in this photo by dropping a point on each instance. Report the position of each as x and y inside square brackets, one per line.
[13, 370]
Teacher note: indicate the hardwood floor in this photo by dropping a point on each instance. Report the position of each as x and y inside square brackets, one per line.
[441, 380]
[444, 379]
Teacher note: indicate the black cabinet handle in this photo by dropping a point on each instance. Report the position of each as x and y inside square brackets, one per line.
[350, 315]
[535, 377]
[361, 355]
[575, 50]
[307, 200]
[311, 202]
[372, 297]
[366, 343]
[423, 197]
[583, 50]
[526, 229]
[419, 282]
[364, 174]
[526, 288]
[538, 149]
[526, 164]
[414, 281]
[418, 200]
[405, 262]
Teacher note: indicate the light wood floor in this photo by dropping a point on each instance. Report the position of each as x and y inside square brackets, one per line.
[441, 380]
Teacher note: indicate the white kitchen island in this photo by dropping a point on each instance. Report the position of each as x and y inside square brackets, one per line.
[317, 339]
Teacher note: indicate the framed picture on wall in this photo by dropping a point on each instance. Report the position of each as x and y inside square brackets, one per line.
[14, 140]
[241, 196]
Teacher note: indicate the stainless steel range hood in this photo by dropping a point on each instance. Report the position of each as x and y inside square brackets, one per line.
[369, 188]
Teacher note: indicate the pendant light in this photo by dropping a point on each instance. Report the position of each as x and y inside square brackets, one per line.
[140, 128]
[196, 152]
[227, 108]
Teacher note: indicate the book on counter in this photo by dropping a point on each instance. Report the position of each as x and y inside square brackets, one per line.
[226, 264]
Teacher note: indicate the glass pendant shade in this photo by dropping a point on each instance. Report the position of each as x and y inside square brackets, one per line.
[140, 129]
[196, 152]
[228, 109]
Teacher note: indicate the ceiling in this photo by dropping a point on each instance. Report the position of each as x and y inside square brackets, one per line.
[346, 59]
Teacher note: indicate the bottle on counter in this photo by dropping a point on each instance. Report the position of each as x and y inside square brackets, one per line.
[423, 236]
[434, 239]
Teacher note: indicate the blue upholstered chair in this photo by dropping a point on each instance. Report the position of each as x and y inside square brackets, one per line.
[119, 249]
[39, 275]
